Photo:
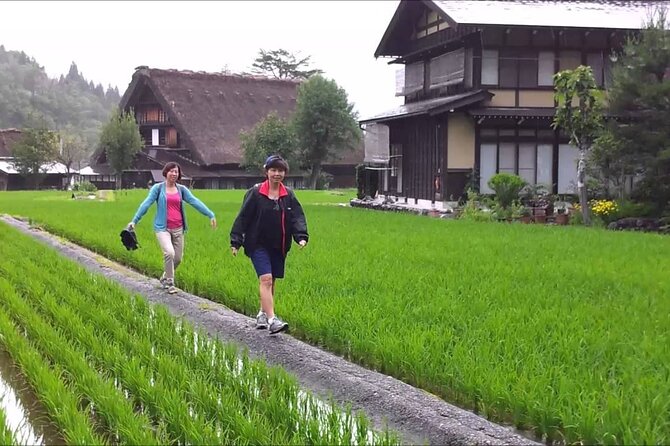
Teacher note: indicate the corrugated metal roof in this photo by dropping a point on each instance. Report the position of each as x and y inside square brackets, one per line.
[580, 14]
[50, 168]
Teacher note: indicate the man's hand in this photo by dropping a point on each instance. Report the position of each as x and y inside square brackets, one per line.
[233, 250]
[212, 223]
[302, 243]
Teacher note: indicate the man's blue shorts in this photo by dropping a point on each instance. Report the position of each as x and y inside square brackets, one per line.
[268, 261]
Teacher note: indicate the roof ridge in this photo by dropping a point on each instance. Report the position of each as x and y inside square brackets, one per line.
[220, 74]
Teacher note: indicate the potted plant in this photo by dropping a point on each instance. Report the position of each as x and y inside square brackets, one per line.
[562, 212]
[538, 198]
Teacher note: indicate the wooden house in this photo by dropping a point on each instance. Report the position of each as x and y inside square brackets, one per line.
[476, 77]
[195, 119]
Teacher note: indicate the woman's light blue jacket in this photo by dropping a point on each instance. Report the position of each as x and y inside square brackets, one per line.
[157, 194]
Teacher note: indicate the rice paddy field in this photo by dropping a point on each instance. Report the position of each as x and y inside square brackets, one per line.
[562, 331]
[109, 368]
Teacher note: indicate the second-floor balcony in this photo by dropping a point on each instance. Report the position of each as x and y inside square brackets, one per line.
[462, 70]
[152, 116]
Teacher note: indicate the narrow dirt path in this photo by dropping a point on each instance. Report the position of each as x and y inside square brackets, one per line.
[417, 416]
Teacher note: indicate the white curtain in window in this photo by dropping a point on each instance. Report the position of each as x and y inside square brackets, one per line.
[487, 166]
[545, 68]
[507, 162]
[447, 69]
[490, 67]
[567, 169]
[527, 162]
[545, 161]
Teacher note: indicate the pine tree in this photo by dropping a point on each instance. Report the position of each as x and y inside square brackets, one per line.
[640, 96]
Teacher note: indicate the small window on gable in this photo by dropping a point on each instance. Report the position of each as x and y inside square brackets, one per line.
[490, 67]
[447, 69]
[428, 23]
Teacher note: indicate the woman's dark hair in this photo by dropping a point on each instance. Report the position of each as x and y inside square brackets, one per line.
[277, 162]
[169, 166]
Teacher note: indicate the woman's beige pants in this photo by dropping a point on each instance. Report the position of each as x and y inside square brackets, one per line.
[171, 242]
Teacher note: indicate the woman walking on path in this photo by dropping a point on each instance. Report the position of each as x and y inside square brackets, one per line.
[269, 218]
[170, 220]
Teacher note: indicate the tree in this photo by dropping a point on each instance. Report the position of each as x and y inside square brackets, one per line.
[72, 149]
[582, 121]
[26, 91]
[272, 135]
[282, 65]
[324, 123]
[121, 140]
[36, 148]
[640, 95]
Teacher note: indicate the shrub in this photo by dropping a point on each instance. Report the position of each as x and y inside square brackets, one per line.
[507, 187]
[367, 183]
[360, 181]
[84, 186]
[476, 208]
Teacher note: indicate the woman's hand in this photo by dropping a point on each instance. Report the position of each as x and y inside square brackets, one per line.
[212, 223]
[131, 226]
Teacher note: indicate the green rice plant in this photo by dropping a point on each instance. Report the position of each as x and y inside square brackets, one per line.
[110, 406]
[182, 399]
[59, 400]
[539, 327]
[6, 434]
[108, 400]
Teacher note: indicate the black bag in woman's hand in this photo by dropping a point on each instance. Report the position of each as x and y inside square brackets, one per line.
[129, 239]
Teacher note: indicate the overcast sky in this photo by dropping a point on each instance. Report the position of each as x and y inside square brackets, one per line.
[108, 40]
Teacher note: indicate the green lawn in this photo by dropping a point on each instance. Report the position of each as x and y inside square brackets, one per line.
[563, 330]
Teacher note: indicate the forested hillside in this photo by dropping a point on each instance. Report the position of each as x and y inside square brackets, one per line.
[29, 97]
